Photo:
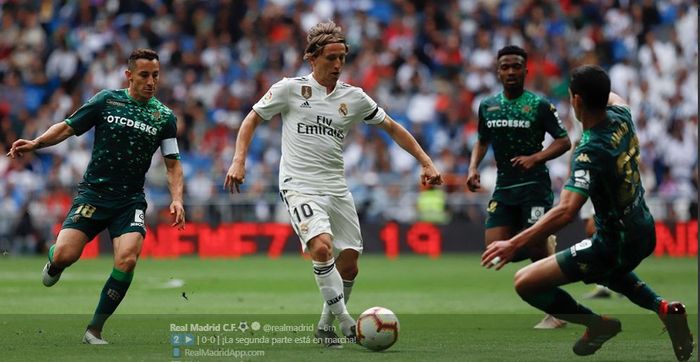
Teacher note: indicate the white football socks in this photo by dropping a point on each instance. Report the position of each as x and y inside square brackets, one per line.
[327, 318]
[331, 286]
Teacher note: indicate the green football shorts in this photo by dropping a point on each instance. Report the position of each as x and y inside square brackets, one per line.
[519, 207]
[596, 261]
[93, 212]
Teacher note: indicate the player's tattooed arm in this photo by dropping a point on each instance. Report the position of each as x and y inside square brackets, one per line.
[54, 135]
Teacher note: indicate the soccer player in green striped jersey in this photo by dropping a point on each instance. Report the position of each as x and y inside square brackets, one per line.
[514, 123]
[130, 125]
[604, 167]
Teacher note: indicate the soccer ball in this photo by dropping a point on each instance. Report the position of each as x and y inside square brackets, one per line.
[377, 328]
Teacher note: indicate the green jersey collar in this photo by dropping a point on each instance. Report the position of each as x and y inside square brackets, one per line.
[148, 102]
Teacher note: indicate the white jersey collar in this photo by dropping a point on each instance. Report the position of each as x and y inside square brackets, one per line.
[316, 84]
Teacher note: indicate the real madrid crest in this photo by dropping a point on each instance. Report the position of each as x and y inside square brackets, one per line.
[306, 91]
[343, 109]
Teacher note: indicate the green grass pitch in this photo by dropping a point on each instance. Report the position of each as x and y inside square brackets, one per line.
[450, 309]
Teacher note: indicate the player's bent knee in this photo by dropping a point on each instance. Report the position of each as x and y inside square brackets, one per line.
[320, 247]
[523, 282]
[64, 257]
[126, 263]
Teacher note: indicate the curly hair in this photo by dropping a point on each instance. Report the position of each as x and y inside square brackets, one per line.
[321, 35]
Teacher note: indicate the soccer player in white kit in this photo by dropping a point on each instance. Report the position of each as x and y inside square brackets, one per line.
[317, 111]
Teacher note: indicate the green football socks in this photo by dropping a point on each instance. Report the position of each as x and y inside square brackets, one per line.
[636, 291]
[112, 294]
[561, 305]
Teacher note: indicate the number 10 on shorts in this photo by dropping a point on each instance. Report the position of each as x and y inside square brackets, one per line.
[305, 211]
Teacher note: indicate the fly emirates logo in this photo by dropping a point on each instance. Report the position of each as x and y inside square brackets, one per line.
[123, 121]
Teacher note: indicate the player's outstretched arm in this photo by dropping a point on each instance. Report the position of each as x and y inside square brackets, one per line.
[236, 172]
[429, 174]
[175, 185]
[54, 135]
[478, 153]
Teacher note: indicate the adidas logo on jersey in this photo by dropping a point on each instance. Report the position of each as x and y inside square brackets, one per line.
[305, 105]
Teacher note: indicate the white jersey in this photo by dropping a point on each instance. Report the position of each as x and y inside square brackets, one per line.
[314, 127]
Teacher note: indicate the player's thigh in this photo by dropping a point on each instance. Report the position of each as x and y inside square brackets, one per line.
[540, 275]
[345, 224]
[128, 245]
[498, 233]
[589, 260]
[69, 245]
[308, 215]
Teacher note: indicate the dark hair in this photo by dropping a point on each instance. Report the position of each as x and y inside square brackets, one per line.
[321, 35]
[592, 84]
[512, 50]
[141, 53]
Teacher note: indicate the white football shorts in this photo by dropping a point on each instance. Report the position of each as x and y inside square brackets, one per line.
[312, 215]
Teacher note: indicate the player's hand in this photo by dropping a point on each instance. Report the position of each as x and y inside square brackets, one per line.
[21, 146]
[524, 163]
[178, 211]
[473, 180]
[234, 177]
[503, 250]
[430, 176]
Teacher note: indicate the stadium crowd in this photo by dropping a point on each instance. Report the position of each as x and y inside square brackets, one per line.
[427, 63]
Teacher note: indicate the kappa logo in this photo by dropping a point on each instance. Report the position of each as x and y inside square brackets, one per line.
[583, 158]
[305, 105]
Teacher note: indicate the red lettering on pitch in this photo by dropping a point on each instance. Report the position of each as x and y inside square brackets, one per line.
[213, 243]
[680, 240]
[228, 240]
[692, 232]
[425, 238]
[279, 234]
[683, 243]
[390, 236]
[664, 240]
